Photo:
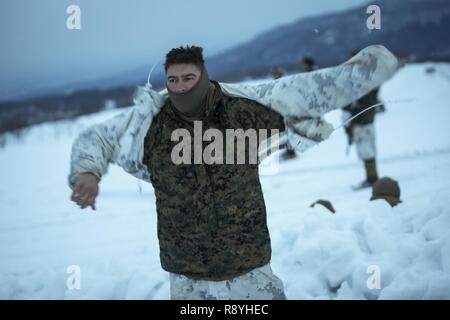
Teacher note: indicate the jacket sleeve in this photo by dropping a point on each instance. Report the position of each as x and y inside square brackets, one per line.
[313, 94]
[118, 140]
[303, 98]
[97, 146]
[265, 118]
[249, 114]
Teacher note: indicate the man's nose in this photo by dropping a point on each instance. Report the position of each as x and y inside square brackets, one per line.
[181, 88]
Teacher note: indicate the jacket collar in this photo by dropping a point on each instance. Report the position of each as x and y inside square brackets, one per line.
[215, 97]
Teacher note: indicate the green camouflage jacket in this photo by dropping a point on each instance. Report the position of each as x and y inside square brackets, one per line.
[211, 217]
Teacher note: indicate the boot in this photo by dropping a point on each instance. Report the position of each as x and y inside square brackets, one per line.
[371, 170]
[371, 175]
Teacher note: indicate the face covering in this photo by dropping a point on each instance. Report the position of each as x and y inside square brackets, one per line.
[193, 102]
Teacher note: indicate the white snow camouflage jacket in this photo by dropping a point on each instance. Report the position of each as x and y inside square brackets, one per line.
[302, 99]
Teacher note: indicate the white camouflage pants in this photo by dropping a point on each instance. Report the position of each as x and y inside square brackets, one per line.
[364, 139]
[258, 284]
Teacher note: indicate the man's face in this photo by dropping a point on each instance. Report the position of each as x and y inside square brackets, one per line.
[180, 78]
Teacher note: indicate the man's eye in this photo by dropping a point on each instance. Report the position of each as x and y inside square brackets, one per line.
[172, 81]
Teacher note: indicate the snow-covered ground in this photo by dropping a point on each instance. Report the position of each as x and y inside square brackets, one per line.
[317, 254]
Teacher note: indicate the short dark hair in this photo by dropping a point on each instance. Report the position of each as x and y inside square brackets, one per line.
[188, 54]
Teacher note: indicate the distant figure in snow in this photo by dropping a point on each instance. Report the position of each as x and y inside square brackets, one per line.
[309, 64]
[386, 189]
[361, 132]
[277, 72]
[211, 215]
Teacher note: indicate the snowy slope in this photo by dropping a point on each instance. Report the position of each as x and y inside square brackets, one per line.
[317, 254]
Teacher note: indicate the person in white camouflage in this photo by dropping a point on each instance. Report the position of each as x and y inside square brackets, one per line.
[212, 226]
[361, 132]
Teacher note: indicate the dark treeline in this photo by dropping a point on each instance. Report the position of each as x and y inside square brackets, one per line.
[16, 115]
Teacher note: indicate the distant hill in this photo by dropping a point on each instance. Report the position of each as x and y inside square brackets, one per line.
[416, 30]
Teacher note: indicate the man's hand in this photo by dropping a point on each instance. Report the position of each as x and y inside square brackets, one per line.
[85, 191]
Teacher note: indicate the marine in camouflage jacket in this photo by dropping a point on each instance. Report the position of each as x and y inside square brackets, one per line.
[211, 218]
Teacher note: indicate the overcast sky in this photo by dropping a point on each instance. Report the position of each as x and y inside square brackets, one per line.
[36, 46]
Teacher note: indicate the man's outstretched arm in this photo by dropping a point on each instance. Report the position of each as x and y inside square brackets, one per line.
[92, 151]
[313, 94]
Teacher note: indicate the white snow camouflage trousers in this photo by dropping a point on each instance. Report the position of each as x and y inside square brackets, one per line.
[258, 284]
[364, 139]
